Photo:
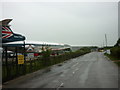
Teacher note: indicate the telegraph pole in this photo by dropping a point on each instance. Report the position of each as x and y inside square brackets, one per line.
[106, 40]
[24, 57]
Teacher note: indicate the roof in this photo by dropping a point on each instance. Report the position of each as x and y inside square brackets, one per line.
[31, 43]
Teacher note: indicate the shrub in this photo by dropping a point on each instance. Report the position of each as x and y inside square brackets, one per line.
[115, 51]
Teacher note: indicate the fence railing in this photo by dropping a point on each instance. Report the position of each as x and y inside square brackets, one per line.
[11, 69]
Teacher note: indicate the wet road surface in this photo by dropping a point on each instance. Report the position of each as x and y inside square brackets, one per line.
[92, 70]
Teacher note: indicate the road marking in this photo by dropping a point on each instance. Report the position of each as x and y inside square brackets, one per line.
[61, 85]
[76, 69]
[75, 65]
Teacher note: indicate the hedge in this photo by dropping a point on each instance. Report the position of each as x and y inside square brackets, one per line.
[115, 51]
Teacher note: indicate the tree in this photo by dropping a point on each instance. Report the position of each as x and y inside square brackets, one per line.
[118, 43]
[46, 52]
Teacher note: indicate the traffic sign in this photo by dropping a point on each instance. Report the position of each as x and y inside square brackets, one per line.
[20, 59]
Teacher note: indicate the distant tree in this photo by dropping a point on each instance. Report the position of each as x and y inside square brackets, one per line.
[115, 51]
[46, 52]
[118, 43]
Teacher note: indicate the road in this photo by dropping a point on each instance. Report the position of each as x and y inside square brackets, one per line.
[92, 70]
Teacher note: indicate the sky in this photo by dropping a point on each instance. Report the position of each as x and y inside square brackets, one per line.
[73, 23]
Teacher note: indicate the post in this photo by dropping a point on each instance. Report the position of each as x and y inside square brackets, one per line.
[24, 58]
[106, 40]
[6, 62]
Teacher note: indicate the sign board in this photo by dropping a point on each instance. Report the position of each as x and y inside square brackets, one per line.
[30, 48]
[108, 51]
[20, 59]
[30, 55]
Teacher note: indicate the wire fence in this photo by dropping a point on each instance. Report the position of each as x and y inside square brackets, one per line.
[12, 69]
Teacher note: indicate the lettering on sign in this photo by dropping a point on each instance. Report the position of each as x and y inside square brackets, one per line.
[20, 59]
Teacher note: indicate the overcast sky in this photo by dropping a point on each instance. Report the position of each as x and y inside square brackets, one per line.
[74, 23]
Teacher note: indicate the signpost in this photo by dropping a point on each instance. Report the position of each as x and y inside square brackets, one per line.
[30, 55]
[20, 59]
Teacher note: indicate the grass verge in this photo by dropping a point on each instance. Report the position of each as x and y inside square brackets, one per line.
[113, 58]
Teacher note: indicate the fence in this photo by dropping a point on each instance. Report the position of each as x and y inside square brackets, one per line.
[10, 66]
[11, 69]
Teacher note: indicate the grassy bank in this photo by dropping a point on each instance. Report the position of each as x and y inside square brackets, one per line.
[113, 58]
[115, 53]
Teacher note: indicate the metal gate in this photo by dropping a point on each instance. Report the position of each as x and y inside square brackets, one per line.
[10, 66]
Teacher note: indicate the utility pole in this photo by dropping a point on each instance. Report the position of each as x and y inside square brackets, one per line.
[106, 40]
[24, 67]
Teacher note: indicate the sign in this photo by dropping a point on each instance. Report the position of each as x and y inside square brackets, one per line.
[108, 51]
[30, 48]
[30, 55]
[36, 54]
[20, 59]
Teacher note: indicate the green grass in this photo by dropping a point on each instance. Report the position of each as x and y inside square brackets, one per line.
[113, 58]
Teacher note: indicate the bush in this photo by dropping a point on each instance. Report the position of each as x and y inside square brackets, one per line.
[46, 56]
[115, 51]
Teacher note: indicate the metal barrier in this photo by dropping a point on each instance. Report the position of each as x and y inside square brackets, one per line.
[12, 68]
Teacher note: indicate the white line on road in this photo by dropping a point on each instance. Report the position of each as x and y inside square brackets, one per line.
[76, 69]
[61, 85]
[75, 65]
